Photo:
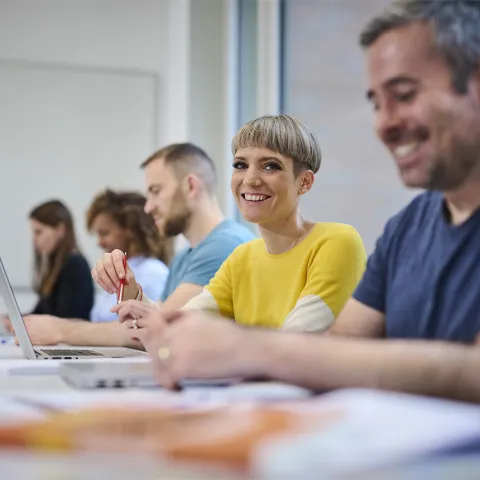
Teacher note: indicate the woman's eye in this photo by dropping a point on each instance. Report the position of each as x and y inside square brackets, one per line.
[239, 165]
[272, 166]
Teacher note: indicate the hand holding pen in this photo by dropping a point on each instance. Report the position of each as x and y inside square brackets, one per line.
[111, 270]
[122, 280]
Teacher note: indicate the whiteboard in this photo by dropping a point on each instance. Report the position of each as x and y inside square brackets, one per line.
[67, 132]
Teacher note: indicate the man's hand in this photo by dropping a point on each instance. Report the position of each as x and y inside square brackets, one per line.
[45, 329]
[193, 345]
[109, 271]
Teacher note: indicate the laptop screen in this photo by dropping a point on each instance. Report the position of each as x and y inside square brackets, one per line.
[15, 314]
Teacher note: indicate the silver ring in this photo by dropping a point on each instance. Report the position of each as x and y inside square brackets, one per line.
[135, 323]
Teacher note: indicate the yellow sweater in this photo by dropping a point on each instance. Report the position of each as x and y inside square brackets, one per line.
[303, 289]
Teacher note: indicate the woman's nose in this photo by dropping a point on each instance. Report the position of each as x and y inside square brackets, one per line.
[252, 178]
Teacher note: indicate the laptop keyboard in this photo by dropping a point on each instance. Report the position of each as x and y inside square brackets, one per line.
[69, 353]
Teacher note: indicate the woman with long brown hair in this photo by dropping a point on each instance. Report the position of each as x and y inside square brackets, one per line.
[61, 273]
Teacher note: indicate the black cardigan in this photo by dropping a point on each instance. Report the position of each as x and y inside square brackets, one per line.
[72, 295]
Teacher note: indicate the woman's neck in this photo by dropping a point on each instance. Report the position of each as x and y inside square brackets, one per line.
[282, 236]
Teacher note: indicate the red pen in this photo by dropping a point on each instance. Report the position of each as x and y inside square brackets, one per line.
[122, 280]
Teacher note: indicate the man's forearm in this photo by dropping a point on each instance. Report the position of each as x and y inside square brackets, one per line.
[111, 334]
[427, 368]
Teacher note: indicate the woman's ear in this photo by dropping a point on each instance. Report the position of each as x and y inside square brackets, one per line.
[306, 181]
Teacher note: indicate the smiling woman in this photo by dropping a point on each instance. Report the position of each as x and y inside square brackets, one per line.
[299, 274]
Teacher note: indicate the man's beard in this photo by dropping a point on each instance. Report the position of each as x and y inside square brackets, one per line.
[450, 174]
[176, 224]
[179, 220]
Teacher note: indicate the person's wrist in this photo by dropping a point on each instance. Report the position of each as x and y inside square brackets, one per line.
[131, 291]
[62, 329]
[250, 359]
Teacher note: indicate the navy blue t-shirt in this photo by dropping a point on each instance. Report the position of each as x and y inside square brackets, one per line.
[424, 274]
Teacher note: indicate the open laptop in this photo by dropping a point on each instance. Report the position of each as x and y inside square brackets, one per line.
[51, 353]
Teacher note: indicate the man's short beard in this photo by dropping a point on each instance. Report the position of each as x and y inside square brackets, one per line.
[177, 224]
[446, 177]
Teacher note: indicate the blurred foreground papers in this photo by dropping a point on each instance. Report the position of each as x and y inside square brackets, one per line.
[342, 434]
[376, 430]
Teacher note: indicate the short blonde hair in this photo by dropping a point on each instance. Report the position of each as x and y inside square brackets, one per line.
[282, 134]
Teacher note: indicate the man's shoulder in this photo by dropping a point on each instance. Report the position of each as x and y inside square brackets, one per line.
[229, 234]
[217, 245]
[179, 256]
[415, 217]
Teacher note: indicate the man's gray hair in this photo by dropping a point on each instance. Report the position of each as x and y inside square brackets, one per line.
[456, 25]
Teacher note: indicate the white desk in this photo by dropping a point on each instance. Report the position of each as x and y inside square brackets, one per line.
[21, 377]
[28, 394]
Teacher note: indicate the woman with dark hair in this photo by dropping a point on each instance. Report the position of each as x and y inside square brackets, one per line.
[61, 273]
[119, 221]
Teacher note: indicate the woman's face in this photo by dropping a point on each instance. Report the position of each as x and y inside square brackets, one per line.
[46, 238]
[109, 233]
[264, 185]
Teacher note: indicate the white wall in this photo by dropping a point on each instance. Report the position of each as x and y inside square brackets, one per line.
[103, 33]
[80, 108]
[88, 88]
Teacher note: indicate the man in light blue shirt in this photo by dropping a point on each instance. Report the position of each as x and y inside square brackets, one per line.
[198, 265]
